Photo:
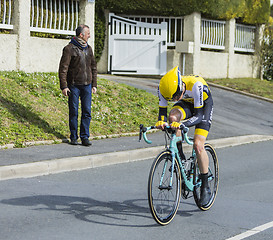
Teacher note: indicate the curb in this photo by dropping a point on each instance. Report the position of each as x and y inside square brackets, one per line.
[54, 166]
[49, 142]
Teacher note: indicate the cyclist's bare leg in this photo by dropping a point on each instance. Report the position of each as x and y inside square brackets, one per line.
[176, 116]
[201, 154]
[203, 164]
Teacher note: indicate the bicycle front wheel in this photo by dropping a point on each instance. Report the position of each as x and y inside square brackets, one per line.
[213, 178]
[164, 195]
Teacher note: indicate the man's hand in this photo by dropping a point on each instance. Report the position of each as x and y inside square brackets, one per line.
[161, 125]
[66, 91]
[94, 90]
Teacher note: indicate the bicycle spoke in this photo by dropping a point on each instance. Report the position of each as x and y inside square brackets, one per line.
[163, 198]
[212, 178]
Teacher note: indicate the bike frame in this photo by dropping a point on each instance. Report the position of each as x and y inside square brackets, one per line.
[174, 152]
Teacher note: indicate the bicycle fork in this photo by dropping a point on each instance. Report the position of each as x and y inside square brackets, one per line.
[161, 185]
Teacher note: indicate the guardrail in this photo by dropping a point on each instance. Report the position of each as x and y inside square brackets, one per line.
[6, 14]
[244, 38]
[54, 16]
[212, 34]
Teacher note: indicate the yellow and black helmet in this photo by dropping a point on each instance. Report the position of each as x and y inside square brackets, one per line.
[170, 85]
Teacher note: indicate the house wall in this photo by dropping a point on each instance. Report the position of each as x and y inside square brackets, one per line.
[20, 51]
[8, 52]
[215, 64]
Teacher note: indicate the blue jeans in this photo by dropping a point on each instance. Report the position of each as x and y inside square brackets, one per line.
[84, 93]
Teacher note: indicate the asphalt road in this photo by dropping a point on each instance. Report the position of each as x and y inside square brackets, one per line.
[111, 202]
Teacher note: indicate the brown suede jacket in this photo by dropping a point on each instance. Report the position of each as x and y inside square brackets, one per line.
[77, 67]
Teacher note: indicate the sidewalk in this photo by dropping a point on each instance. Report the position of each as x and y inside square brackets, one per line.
[57, 158]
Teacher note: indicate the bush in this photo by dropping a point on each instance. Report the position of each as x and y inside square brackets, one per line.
[99, 34]
[267, 51]
[250, 11]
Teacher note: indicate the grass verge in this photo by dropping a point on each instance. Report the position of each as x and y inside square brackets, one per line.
[32, 108]
[255, 86]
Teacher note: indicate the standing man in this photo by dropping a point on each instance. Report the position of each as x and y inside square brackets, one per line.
[78, 80]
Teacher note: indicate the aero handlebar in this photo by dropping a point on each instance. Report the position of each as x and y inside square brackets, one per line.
[143, 130]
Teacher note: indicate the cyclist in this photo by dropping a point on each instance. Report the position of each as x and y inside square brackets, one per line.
[193, 107]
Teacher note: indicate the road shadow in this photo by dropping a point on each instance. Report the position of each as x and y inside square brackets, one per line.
[112, 213]
[25, 114]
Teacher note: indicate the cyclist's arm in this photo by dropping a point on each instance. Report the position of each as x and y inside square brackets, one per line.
[196, 119]
[197, 91]
[163, 104]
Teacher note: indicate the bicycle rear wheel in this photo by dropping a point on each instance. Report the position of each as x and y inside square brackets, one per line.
[163, 199]
[213, 178]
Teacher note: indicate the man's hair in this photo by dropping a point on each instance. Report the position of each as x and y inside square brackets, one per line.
[80, 29]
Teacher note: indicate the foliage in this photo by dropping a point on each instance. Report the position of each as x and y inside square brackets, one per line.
[33, 108]
[99, 34]
[50, 35]
[267, 51]
[250, 11]
[256, 11]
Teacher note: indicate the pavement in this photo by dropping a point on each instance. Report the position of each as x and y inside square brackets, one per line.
[47, 158]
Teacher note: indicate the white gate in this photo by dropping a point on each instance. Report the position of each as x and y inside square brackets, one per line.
[136, 47]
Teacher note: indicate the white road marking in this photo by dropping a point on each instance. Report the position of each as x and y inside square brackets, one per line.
[252, 231]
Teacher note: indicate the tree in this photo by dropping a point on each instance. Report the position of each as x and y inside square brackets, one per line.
[267, 51]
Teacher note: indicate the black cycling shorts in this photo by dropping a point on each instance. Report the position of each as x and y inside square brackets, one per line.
[187, 109]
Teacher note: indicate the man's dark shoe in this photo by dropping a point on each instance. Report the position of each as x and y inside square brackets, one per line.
[86, 142]
[204, 196]
[74, 142]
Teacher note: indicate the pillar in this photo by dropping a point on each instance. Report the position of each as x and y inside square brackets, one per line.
[87, 17]
[229, 46]
[192, 26]
[21, 27]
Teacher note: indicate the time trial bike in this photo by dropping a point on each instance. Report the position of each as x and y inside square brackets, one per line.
[171, 176]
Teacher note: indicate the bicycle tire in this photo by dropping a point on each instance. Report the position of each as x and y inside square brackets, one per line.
[164, 202]
[213, 178]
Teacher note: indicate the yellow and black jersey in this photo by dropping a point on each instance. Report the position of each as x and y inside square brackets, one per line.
[197, 90]
[197, 94]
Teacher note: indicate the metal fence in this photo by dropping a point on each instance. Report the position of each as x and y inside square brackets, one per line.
[244, 38]
[174, 26]
[212, 34]
[54, 16]
[62, 17]
[6, 14]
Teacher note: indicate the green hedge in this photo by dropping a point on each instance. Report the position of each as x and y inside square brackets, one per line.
[99, 33]
[267, 51]
[250, 11]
